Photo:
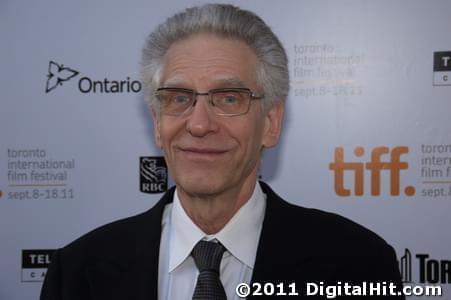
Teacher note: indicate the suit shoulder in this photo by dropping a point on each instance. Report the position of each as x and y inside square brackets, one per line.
[321, 228]
[337, 227]
[328, 245]
[112, 238]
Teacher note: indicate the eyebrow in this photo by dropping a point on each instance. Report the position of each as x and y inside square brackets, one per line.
[220, 82]
[230, 81]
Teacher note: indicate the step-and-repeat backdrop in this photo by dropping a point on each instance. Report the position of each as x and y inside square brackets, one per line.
[367, 131]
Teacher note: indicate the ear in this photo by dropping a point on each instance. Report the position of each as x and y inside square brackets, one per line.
[273, 125]
[156, 127]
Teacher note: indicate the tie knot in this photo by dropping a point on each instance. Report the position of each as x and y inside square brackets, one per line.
[208, 255]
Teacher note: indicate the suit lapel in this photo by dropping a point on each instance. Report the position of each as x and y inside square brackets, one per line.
[133, 275]
[278, 255]
[266, 261]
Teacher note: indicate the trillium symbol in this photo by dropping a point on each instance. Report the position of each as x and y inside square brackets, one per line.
[57, 75]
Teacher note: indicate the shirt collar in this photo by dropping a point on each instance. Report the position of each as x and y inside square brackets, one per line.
[240, 235]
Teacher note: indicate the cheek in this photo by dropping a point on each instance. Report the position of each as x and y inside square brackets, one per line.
[171, 132]
[254, 138]
[164, 139]
[157, 128]
[158, 140]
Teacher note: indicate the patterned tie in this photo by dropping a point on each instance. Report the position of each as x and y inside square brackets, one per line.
[207, 256]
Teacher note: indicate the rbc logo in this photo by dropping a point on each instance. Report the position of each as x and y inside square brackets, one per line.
[153, 174]
[374, 167]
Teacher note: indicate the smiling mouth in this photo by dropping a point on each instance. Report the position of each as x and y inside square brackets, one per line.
[202, 153]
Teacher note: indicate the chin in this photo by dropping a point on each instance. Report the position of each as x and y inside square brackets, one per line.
[201, 186]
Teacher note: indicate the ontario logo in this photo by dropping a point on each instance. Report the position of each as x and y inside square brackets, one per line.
[58, 74]
[355, 171]
[153, 174]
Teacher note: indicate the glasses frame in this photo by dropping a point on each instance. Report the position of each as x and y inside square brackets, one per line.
[210, 93]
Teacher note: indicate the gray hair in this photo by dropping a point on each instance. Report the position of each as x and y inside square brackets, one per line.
[225, 21]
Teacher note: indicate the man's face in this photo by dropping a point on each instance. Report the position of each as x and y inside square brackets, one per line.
[209, 154]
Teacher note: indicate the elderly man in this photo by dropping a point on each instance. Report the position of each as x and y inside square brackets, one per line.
[216, 77]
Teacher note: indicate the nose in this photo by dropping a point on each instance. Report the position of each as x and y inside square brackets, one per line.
[202, 120]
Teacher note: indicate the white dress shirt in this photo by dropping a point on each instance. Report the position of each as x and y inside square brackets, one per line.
[177, 273]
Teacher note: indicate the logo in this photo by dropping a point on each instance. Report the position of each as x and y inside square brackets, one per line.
[58, 73]
[393, 166]
[153, 174]
[429, 270]
[442, 68]
[35, 264]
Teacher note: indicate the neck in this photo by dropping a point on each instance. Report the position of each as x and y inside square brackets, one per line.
[212, 212]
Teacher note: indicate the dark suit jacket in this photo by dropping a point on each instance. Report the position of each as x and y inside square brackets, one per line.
[120, 260]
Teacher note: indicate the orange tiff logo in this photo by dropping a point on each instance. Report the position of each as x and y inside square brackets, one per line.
[375, 167]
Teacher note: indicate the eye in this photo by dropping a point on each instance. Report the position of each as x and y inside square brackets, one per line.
[230, 99]
[180, 99]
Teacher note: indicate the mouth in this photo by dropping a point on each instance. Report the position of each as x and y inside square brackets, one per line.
[204, 153]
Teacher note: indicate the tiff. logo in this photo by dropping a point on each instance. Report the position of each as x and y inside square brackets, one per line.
[375, 167]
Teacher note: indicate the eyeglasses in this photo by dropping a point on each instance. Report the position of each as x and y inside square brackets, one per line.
[223, 102]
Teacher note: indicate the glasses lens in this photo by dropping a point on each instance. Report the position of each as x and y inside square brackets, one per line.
[174, 101]
[231, 102]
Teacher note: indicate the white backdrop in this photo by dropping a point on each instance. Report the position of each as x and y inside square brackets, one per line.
[363, 83]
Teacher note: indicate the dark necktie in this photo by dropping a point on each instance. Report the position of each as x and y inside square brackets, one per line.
[207, 256]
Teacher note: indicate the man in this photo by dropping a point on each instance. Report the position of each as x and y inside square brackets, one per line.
[216, 77]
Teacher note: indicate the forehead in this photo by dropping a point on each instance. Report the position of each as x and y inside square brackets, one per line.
[208, 60]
